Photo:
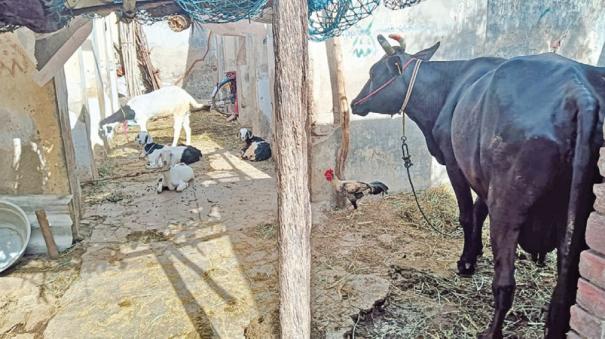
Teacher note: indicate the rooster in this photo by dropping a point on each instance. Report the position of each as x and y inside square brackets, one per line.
[354, 190]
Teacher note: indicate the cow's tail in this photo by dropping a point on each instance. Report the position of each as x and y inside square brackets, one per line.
[580, 198]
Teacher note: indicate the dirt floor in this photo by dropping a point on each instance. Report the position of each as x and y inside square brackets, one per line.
[203, 263]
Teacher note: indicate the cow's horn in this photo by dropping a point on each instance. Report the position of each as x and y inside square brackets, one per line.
[385, 45]
[399, 39]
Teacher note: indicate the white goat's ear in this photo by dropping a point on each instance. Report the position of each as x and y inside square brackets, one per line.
[249, 134]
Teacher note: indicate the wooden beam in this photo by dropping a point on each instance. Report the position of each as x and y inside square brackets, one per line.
[69, 153]
[340, 108]
[144, 58]
[126, 4]
[53, 51]
[129, 6]
[129, 56]
[291, 134]
[51, 247]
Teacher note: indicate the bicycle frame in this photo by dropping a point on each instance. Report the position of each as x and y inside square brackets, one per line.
[224, 99]
[229, 77]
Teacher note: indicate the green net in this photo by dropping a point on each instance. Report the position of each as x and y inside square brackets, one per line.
[400, 4]
[329, 18]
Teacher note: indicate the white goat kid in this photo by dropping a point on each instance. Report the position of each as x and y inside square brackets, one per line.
[169, 100]
[177, 178]
[185, 154]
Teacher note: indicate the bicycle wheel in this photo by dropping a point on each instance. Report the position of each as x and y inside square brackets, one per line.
[222, 100]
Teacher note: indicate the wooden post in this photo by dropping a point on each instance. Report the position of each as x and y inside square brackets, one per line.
[291, 134]
[129, 57]
[68, 150]
[340, 109]
[150, 74]
[47, 234]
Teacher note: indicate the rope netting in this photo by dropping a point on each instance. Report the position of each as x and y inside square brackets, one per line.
[45, 15]
[400, 4]
[7, 27]
[221, 11]
[327, 18]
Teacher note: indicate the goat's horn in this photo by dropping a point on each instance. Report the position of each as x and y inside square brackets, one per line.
[385, 45]
[399, 39]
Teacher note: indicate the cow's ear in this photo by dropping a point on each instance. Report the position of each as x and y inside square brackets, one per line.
[394, 64]
[427, 54]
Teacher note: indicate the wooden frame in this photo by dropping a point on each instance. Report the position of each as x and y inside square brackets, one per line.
[340, 109]
[68, 150]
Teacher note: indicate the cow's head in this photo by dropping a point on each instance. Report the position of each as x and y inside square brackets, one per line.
[383, 93]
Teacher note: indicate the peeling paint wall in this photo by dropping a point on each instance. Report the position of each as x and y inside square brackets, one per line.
[173, 53]
[248, 49]
[375, 149]
[30, 138]
[256, 104]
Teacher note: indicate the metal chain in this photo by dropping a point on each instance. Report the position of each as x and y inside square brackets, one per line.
[407, 158]
[407, 163]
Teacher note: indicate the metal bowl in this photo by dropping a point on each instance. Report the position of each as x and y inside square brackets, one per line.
[15, 231]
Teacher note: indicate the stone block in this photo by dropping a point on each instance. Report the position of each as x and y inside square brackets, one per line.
[585, 324]
[595, 232]
[592, 267]
[599, 191]
[591, 298]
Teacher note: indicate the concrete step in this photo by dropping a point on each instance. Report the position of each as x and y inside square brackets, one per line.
[37, 245]
[59, 219]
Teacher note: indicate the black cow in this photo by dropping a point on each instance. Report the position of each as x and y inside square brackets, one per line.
[524, 134]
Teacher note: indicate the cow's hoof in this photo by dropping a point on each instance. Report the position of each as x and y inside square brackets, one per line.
[466, 269]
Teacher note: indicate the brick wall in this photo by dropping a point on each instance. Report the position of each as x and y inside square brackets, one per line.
[588, 314]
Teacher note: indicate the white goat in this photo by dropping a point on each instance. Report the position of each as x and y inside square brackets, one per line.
[185, 154]
[169, 100]
[177, 178]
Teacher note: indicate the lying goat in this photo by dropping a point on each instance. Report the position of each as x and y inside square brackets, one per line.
[169, 100]
[256, 148]
[179, 154]
[176, 177]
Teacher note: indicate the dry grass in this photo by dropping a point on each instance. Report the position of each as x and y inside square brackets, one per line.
[427, 299]
[439, 207]
[266, 231]
[53, 276]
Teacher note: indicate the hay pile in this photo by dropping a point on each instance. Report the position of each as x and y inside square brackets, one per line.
[421, 304]
[427, 299]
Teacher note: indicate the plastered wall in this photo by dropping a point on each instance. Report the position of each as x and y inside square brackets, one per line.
[30, 140]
